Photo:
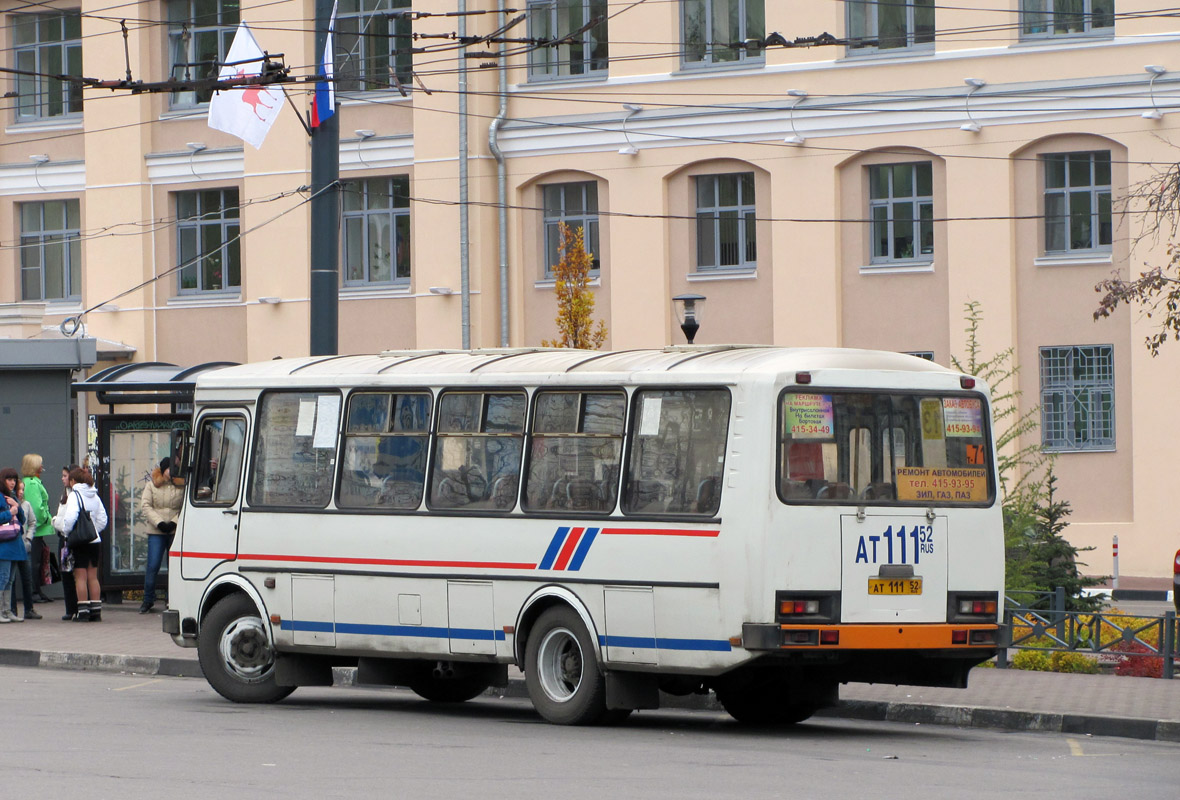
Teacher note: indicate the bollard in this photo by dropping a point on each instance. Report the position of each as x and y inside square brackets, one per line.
[1168, 645]
[1114, 574]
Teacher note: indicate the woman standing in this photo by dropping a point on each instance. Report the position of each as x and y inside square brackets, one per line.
[10, 486]
[11, 550]
[31, 467]
[161, 502]
[64, 559]
[86, 556]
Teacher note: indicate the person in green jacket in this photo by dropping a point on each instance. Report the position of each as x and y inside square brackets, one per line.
[31, 467]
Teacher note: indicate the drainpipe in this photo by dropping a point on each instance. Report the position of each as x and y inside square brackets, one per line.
[501, 181]
[464, 237]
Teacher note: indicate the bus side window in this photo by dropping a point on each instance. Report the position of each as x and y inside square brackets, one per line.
[477, 451]
[218, 469]
[575, 450]
[677, 451]
[384, 456]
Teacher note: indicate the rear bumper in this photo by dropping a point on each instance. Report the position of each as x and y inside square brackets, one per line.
[928, 636]
[171, 624]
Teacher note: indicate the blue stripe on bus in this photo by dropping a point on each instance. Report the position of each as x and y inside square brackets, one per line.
[554, 548]
[718, 645]
[417, 631]
[583, 548]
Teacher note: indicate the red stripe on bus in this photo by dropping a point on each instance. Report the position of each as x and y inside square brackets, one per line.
[659, 532]
[191, 554]
[567, 552]
[389, 562]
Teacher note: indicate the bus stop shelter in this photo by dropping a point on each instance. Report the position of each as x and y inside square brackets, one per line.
[125, 444]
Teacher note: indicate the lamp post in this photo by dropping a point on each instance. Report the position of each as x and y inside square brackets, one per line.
[688, 311]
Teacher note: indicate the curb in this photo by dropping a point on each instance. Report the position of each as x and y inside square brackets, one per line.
[872, 710]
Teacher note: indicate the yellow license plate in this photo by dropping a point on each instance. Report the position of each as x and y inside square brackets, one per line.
[895, 585]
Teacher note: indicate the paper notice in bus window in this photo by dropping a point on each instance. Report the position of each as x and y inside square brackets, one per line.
[962, 416]
[649, 420]
[327, 413]
[932, 420]
[809, 416]
[942, 484]
[306, 423]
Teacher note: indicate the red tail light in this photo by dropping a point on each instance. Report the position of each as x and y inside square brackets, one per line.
[1176, 566]
[958, 637]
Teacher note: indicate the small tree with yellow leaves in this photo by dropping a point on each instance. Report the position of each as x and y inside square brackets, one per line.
[575, 302]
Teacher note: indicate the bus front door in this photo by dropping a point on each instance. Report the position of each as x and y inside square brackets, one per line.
[210, 534]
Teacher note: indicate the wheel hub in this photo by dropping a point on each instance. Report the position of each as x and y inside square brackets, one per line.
[246, 650]
[560, 664]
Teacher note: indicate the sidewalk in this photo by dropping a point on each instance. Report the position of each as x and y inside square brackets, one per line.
[1101, 705]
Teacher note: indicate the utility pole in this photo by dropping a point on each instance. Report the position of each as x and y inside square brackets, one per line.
[325, 215]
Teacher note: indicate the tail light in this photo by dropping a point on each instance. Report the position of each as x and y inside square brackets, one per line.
[973, 606]
[1176, 565]
[795, 607]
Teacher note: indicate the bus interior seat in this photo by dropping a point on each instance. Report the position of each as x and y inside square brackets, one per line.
[797, 490]
[834, 491]
[879, 490]
[582, 494]
[707, 494]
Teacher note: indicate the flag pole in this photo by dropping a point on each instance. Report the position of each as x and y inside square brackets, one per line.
[325, 209]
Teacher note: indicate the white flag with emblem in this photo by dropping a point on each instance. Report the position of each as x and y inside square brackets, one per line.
[247, 111]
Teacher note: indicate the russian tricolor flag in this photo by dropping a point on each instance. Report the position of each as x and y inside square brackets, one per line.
[323, 102]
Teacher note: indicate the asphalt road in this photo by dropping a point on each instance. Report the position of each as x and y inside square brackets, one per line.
[101, 735]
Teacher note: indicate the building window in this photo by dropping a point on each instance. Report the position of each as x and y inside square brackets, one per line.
[1077, 397]
[199, 35]
[726, 222]
[207, 233]
[1045, 18]
[901, 207]
[584, 51]
[575, 204]
[377, 231]
[714, 30]
[1077, 201]
[889, 25]
[47, 44]
[372, 49]
[50, 250]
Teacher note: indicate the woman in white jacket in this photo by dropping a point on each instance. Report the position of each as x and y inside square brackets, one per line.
[86, 556]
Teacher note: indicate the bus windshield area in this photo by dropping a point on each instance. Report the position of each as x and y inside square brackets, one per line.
[884, 448]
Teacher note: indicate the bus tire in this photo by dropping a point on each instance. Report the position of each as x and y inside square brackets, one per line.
[458, 689]
[771, 702]
[561, 670]
[236, 655]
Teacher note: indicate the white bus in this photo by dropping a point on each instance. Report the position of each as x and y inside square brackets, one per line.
[762, 522]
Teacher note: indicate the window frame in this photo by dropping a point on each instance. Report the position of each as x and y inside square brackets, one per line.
[1037, 20]
[542, 67]
[224, 27]
[397, 217]
[746, 219]
[1067, 389]
[373, 64]
[707, 47]
[43, 89]
[585, 220]
[437, 436]
[196, 472]
[249, 476]
[872, 28]
[919, 204]
[531, 434]
[69, 239]
[1101, 221]
[629, 447]
[427, 435]
[229, 247]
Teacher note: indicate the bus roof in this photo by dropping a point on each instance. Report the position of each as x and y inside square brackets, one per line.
[699, 362]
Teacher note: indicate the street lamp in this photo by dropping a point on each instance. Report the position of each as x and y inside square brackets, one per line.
[688, 311]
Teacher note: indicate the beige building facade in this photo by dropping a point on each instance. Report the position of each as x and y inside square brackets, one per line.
[858, 192]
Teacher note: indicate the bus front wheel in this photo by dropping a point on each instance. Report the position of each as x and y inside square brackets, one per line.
[236, 655]
[561, 671]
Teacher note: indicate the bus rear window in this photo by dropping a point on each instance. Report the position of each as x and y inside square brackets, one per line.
[884, 449]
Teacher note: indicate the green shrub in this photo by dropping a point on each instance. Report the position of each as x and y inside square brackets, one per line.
[1033, 660]
[1073, 662]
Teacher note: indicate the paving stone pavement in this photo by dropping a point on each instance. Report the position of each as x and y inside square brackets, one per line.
[1142, 708]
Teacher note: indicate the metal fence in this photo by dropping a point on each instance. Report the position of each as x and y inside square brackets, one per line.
[1041, 621]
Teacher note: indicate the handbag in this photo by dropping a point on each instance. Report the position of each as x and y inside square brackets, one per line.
[10, 530]
[83, 531]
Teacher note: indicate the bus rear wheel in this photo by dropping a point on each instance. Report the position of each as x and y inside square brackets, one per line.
[773, 700]
[236, 655]
[448, 686]
[561, 670]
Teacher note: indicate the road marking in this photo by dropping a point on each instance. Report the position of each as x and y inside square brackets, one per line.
[1075, 747]
[137, 685]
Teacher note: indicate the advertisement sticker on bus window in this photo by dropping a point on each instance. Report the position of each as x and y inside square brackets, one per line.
[649, 419]
[962, 416]
[306, 423]
[932, 420]
[809, 416]
[942, 484]
[327, 413]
